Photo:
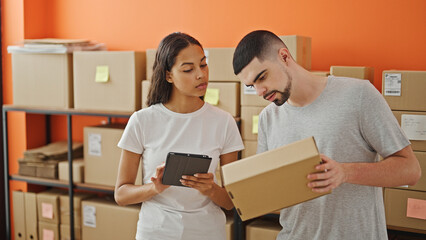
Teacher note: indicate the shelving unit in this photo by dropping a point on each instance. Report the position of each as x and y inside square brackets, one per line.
[70, 185]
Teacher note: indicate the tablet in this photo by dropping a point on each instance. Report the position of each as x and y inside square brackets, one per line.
[179, 164]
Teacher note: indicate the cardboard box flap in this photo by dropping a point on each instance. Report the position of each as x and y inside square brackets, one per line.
[271, 160]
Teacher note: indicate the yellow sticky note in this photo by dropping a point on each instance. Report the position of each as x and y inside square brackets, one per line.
[255, 124]
[102, 74]
[212, 96]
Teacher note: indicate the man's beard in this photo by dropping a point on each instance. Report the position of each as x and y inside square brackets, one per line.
[281, 97]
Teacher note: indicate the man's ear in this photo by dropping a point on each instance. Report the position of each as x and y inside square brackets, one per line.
[284, 55]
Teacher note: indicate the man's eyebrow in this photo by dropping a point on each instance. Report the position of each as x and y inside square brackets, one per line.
[258, 76]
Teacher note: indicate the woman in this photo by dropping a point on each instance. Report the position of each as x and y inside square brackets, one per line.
[177, 120]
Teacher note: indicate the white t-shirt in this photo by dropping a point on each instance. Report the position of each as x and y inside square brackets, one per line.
[180, 212]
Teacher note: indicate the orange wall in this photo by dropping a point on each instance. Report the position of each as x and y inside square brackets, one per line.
[384, 34]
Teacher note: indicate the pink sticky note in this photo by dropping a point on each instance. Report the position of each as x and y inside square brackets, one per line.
[416, 208]
[48, 234]
[47, 210]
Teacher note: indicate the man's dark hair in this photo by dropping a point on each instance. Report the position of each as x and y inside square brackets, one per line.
[165, 58]
[260, 44]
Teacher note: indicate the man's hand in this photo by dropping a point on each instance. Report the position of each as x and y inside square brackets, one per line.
[331, 175]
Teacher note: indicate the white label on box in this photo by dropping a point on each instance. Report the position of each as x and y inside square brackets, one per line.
[392, 84]
[414, 126]
[249, 90]
[206, 53]
[89, 216]
[95, 148]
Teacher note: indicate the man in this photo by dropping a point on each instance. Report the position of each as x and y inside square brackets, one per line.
[352, 125]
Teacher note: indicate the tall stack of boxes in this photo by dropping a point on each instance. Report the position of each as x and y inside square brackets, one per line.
[49, 213]
[404, 92]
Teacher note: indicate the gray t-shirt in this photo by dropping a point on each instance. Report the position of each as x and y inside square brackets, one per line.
[350, 122]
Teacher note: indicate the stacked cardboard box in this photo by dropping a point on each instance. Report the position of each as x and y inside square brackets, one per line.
[49, 213]
[404, 92]
[361, 72]
[65, 215]
[263, 229]
[43, 161]
[102, 156]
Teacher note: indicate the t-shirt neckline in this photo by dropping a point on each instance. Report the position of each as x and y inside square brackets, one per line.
[176, 114]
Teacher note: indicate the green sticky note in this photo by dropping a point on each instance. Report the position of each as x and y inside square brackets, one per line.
[255, 124]
[102, 74]
[212, 96]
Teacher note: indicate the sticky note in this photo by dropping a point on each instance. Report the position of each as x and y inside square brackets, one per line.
[102, 74]
[48, 234]
[212, 96]
[47, 210]
[416, 208]
[255, 124]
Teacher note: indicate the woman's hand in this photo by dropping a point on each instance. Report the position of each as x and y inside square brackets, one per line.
[157, 180]
[203, 182]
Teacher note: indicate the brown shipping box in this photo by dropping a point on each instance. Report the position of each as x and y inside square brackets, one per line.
[229, 227]
[150, 58]
[102, 155]
[146, 84]
[77, 170]
[64, 206]
[42, 80]
[262, 230]
[19, 215]
[405, 208]
[300, 49]
[108, 80]
[248, 115]
[220, 65]
[249, 97]
[48, 230]
[48, 205]
[366, 73]
[405, 90]
[421, 184]
[279, 182]
[225, 95]
[104, 219]
[250, 148]
[414, 126]
[31, 218]
[65, 232]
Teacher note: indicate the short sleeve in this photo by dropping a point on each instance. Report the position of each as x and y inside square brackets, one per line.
[132, 138]
[233, 141]
[378, 125]
[261, 135]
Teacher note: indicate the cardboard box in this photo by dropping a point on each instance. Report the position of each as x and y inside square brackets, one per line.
[404, 90]
[321, 73]
[48, 169]
[421, 184]
[31, 218]
[366, 73]
[220, 65]
[224, 95]
[104, 219]
[42, 80]
[249, 97]
[19, 215]
[300, 49]
[27, 168]
[77, 170]
[146, 84]
[229, 227]
[404, 208]
[101, 151]
[65, 232]
[48, 230]
[262, 230]
[64, 206]
[413, 117]
[250, 148]
[48, 205]
[248, 114]
[108, 81]
[150, 59]
[272, 180]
